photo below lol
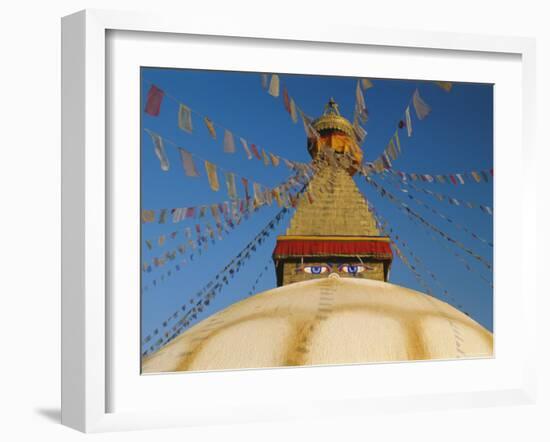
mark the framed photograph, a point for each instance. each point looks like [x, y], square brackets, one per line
[276, 223]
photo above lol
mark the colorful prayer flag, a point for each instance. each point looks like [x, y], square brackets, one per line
[360, 105]
[212, 175]
[187, 163]
[445, 85]
[286, 100]
[293, 113]
[258, 198]
[228, 142]
[265, 157]
[245, 185]
[264, 80]
[147, 216]
[408, 121]
[184, 119]
[274, 159]
[255, 151]
[366, 83]
[230, 182]
[420, 106]
[397, 141]
[391, 150]
[154, 100]
[159, 150]
[245, 147]
[274, 86]
[210, 127]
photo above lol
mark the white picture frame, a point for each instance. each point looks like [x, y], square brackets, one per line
[86, 210]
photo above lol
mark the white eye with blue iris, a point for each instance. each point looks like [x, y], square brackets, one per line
[352, 269]
[316, 270]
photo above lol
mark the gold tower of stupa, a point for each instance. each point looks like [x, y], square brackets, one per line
[333, 303]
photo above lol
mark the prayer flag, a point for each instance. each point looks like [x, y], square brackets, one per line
[210, 127]
[366, 83]
[161, 240]
[255, 151]
[178, 215]
[265, 157]
[147, 216]
[293, 113]
[264, 80]
[274, 159]
[397, 141]
[420, 106]
[245, 147]
[445, 85]
[391, 150]
[215, 213]
[187, 163]
[231, 188]
[154, 100]
[258, 198]
[459, 178]
[228, 142]
[159, 150]
[408, 121]
[453, 179]
[476, 176]
[245, 185]
[162, 216]
[286, 100]
[184, 119]
[190, 212]
[212, 175]
[485, 176]
[274, 86]
[360, 133]
[277, 196]
[360, 105]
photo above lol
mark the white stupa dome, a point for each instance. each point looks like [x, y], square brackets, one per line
[325, 321]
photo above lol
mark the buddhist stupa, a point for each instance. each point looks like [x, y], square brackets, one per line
[333, 303]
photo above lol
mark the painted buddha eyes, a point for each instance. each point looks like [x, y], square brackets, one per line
[353, 269]
[316, 270]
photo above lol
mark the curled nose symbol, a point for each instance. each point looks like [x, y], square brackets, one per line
[334, 275]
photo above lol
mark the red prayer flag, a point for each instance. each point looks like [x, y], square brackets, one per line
[286, 100]
[255, 151]
[453, 179]
[154, 100]
[245, 185]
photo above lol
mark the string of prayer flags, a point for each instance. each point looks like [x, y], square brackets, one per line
[246, 149]
[184, 119]
[452, 178]
[159, 150]
[228, 142]
[445, 85]
[154, 101]
[210, 127]
[188, 163]
[207, 293]
[212, 175]
[274, 86]
[405, 208]
[408, 121]
[421, 108]
[231, 187]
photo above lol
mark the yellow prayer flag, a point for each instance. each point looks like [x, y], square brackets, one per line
[445, 85]
[210, 127]
[366, 83]
[212, 175]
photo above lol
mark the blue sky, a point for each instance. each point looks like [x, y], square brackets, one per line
[457, 136]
